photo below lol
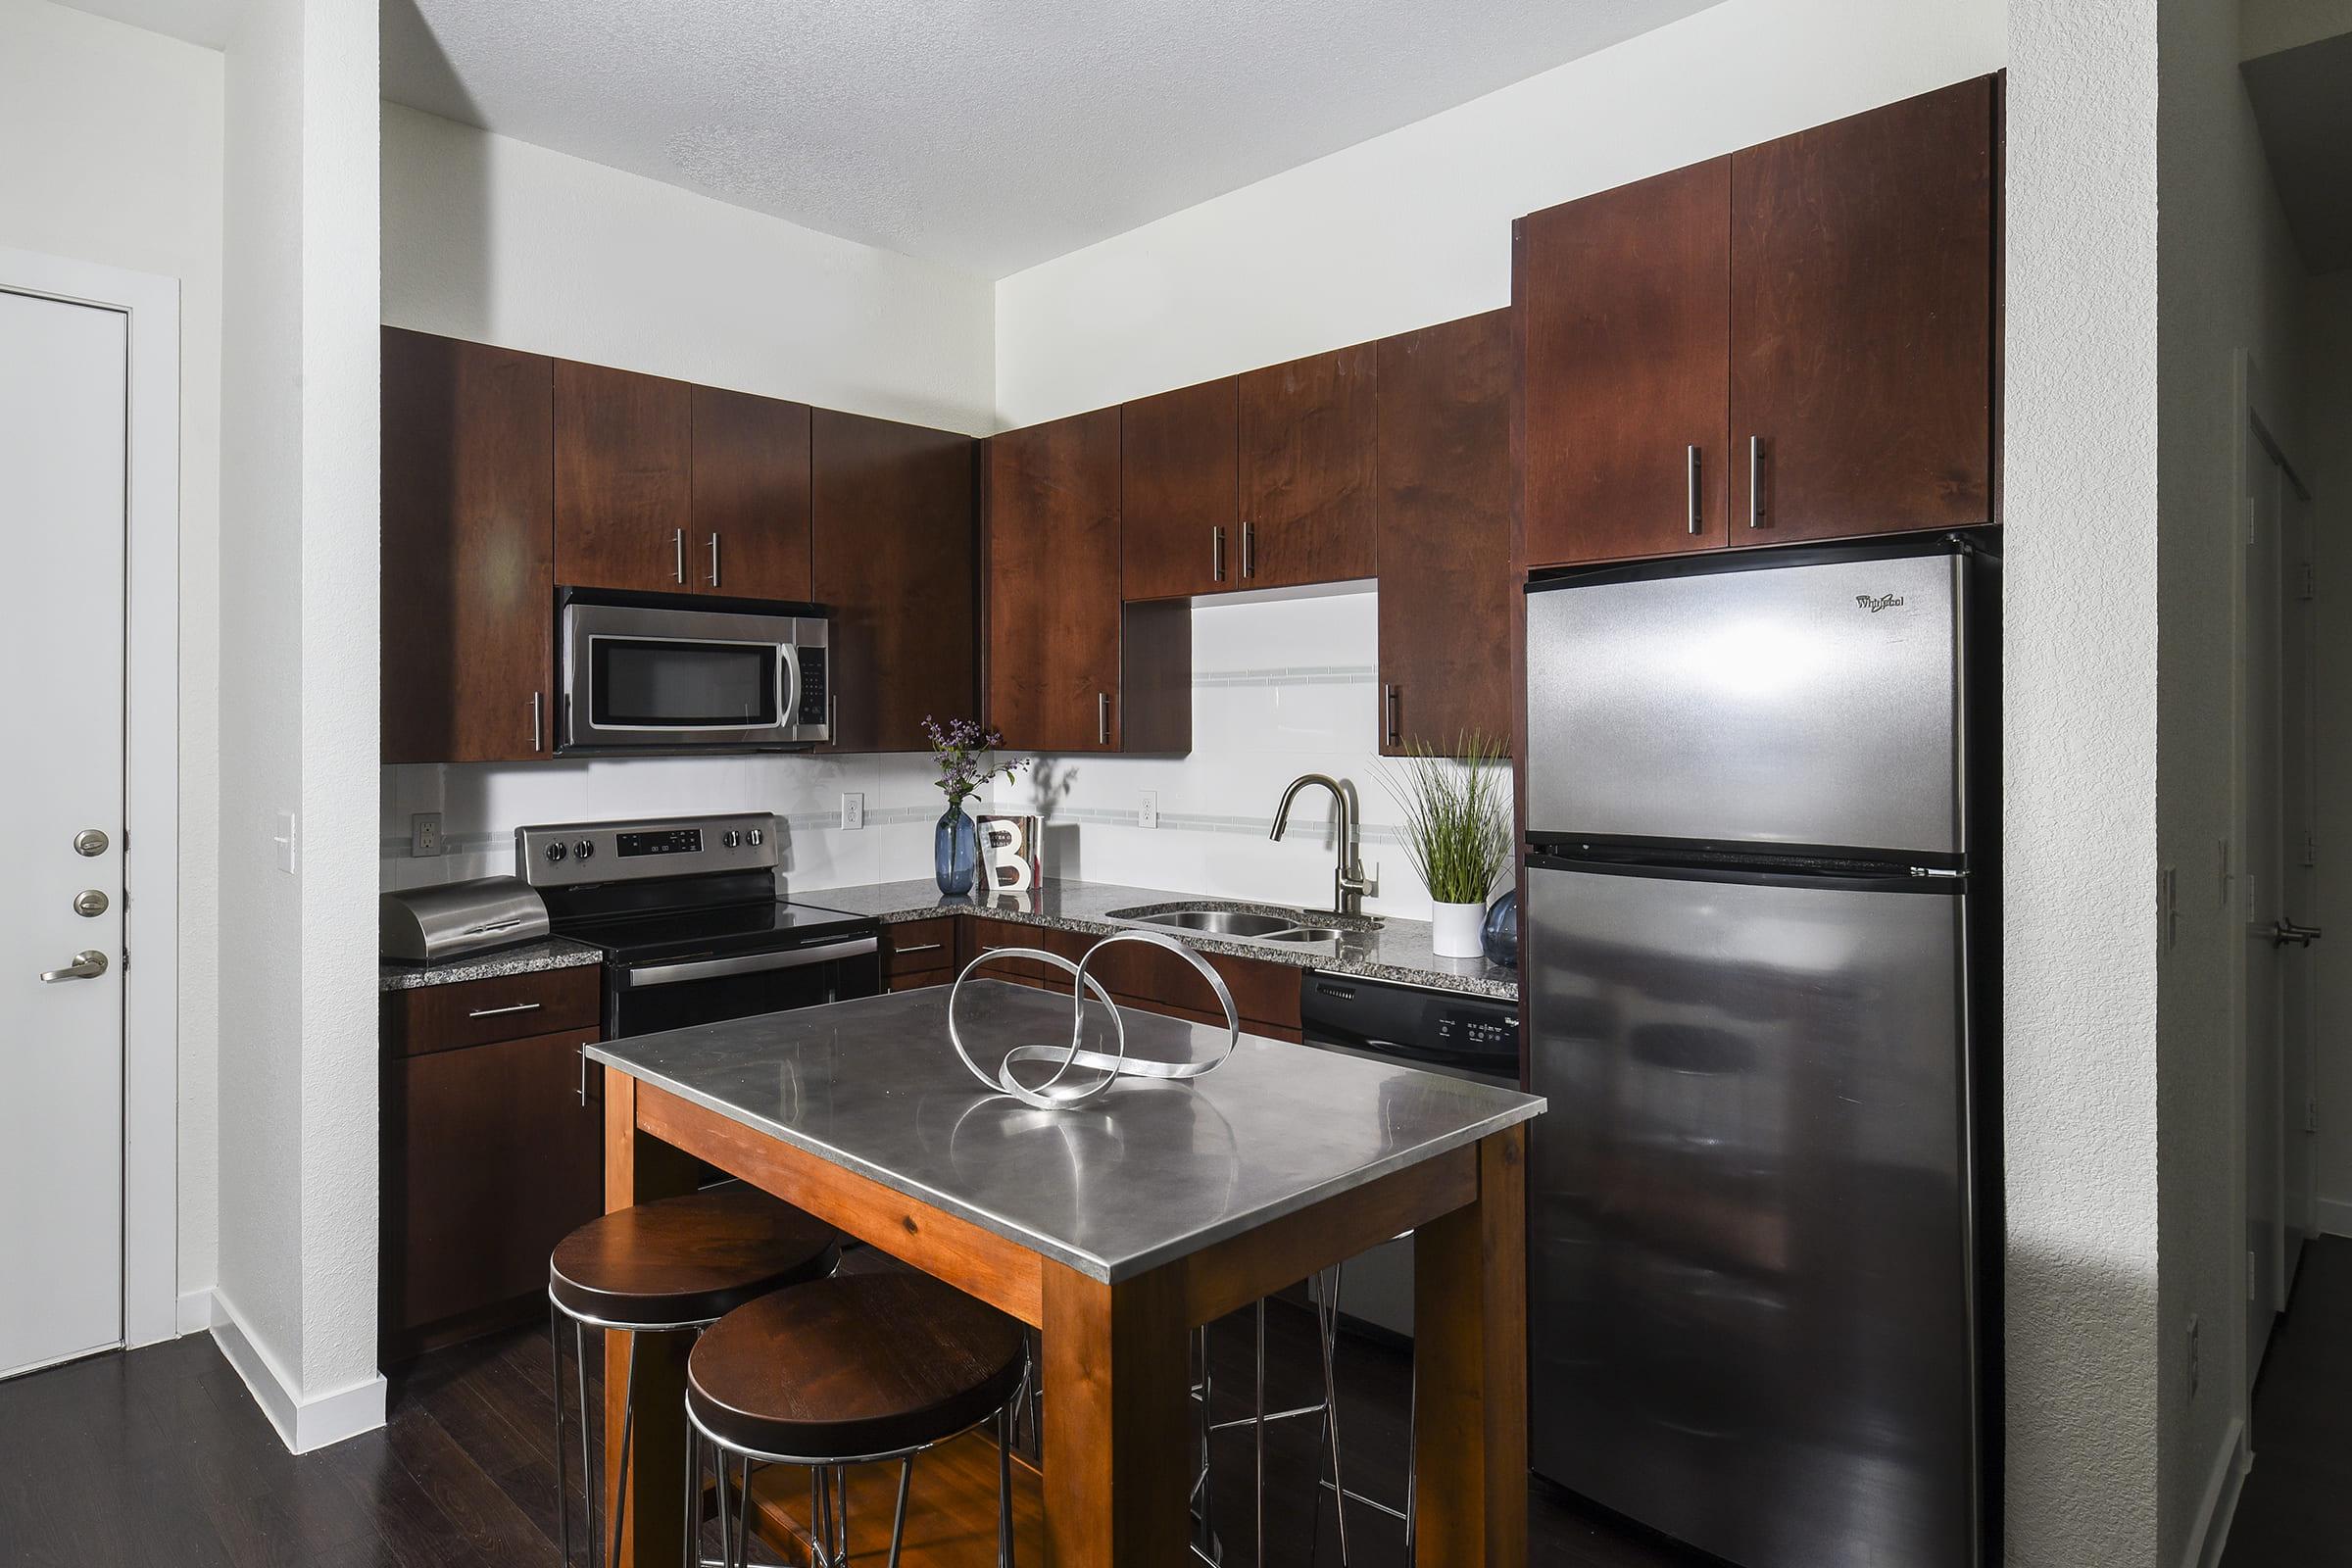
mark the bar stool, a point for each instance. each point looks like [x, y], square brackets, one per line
[675, 1265]
[855, 1369]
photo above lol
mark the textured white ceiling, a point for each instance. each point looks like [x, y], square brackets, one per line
[985, 134]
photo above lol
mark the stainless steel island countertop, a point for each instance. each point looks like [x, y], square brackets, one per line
[1147, 1174]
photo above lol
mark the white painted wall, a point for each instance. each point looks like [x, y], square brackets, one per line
[2229, 281]
[114, 138]
[2268, 25]
[1414, 227]
[2326, 457]
[499, 241]
[298, 1154]
[2079, 683]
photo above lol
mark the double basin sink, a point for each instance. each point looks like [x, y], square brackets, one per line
[1251, 922]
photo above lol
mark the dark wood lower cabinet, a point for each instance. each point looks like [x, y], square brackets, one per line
[1265, 996]
[490, 1152]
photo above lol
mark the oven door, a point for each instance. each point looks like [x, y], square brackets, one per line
[646, 998]
[644, 675]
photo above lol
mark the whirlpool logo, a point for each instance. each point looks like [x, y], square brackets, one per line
[1874, 603]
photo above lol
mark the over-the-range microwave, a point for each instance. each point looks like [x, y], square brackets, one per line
[689, 672]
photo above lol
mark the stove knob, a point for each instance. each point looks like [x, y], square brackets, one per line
[754, 838]
[730, 837]
[582, 849]
[555, 850]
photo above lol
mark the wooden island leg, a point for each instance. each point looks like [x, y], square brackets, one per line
[639, 1168]
[1470, 1354]
[1116, 1385]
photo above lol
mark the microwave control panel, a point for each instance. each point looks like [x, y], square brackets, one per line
[811, 704]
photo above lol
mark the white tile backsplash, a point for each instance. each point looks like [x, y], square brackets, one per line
[1280, 688]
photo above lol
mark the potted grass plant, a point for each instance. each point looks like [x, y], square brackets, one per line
[1458, 831]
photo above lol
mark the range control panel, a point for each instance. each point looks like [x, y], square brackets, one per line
[572, 854]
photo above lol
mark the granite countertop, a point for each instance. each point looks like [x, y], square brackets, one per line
[1151, 1172]
[554, 952]
[1398, 950]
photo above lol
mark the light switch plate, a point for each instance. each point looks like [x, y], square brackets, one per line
[853, 810]
[284, 841]
[424, 834]
[1148, 814]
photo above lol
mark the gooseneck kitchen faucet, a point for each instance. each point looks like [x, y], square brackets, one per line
[1348, 884]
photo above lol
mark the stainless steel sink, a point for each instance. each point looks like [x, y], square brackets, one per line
[1250, 923]
[1221, 923]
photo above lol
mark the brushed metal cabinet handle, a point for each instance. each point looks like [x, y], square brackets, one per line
[1103, 719]
[1216, 553]
[1249, 551]
[1755, 482]
[536, 729]
[677, 542]
[1388, 704]
[920, 946]
[499, 1012]
[1690, 486]
[583, 1075]
[714, 560]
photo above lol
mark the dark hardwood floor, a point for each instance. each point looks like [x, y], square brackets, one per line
[160, 1456]
[2296, 1509]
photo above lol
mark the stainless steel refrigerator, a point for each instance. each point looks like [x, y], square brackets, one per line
[1761, 988]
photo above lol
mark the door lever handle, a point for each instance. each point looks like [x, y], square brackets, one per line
[2283, 931]
[89, 964]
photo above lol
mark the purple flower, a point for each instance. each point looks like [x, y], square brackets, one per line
[965, 754]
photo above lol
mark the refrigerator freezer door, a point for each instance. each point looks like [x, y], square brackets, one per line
[1751, 1321]
[1814, 705]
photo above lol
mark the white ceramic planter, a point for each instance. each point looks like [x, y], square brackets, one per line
[1455, 930]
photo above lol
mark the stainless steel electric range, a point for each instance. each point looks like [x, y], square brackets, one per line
[691, 924]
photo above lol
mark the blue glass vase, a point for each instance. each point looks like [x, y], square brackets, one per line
[955, 851]
[1501, 934]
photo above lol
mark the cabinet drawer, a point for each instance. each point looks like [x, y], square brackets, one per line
[1070, 945]
[475, 1012]
[918, 945]
[1264, 994]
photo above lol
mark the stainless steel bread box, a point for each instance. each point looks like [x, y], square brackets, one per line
[423, 925]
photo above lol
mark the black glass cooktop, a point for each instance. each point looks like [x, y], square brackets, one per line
[769, 927]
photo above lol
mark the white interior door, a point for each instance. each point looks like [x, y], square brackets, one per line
[2262, 853]
[2298, 804]
[63, 449]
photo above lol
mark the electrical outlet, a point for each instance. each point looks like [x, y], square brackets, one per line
[853, 810]
[2195, 1366]
[285, 842]
[1148, 814]
[424, 834]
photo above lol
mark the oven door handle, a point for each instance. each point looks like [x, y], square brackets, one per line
[670, 975]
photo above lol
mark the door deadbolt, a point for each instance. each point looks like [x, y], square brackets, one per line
[89, 903]
[89, 841]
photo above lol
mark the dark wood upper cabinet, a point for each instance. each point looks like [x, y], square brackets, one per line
[1178, 490]
[749, 536]
[468, 551]
[1052, 584]
[625, 455]
[1309, 432]
[1625, 440]
[1446, 593]
[890, 555]
[1862, 266]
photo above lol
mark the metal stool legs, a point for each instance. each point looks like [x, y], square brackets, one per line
[828, 1497]
[592, 1494]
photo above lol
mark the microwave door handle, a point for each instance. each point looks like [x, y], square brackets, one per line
[788, 685]
[670, 975]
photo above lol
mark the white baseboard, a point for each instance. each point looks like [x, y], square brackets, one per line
[198, 1312]
[2219, 1506]
[2332, 1216]
[302, 1424]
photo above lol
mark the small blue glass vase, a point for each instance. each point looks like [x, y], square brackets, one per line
[1501, 935]
[955, 851]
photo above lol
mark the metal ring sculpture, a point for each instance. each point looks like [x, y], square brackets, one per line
[1106, 1069]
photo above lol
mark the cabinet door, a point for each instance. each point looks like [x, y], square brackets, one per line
[491, 1155]
[751, 495]
[1308, 434]
[1446, 532]
[1625, 296]
[1052, 584]
[1179, 493]
[1862, 323]
[624, 452]
[468, 551]
[891, 556]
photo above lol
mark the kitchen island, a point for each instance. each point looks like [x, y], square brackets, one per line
[1112, 1229]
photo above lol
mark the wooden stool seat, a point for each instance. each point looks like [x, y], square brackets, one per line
[687, 1260]
[852, 1366]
